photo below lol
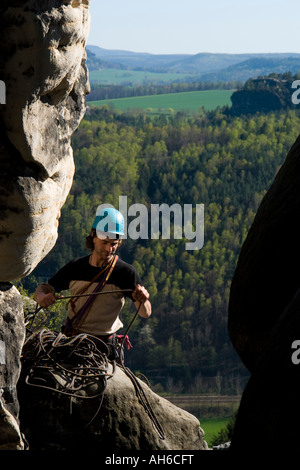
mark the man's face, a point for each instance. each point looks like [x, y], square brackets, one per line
[105, 249]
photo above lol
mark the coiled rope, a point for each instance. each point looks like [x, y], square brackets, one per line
[75, 357]
[68, 366]
[47, 350]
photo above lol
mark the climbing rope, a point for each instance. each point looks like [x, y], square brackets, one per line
[78, 360]
[144, 401]
[139, 389]
[68, 366]
[86, 364]
[30, 317]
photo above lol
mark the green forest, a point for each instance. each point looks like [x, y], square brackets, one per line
[226, 163]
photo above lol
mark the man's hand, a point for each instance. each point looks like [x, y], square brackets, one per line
[44, 295]
[140, 294]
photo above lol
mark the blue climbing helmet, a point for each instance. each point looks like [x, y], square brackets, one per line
[108, 223]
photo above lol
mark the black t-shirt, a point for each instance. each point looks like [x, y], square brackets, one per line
[103, 317]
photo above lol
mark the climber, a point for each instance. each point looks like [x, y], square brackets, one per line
[102, 270]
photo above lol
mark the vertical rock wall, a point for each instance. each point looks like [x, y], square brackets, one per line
[267, 275]
[264, 321]
[42, 63]
[12, 333]
[43, 67]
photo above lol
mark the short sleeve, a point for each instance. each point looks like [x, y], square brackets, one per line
[132, 279]
[60, 281]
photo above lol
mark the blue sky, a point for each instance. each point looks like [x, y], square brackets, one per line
[192, 26]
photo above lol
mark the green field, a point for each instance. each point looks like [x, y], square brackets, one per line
[167, 103]
[133, 77]
[211, 427]
[214, 412]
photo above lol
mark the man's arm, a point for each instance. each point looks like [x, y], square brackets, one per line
[141, 296]
[44, 295]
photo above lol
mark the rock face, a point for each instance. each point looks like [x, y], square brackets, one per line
[43, 67]
[126, 414]
[132, 428]
[267, 275]
[269, 411]
[252, 101]
[264, 321]
[262, 95]
[12, 333]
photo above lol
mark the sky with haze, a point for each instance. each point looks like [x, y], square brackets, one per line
[193, 26]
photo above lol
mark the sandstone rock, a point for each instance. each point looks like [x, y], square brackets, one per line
[43, 67]
[12, 334]
[267, 275]
[269, 413]
[10, 436]
[132, 428]
[129, 416]
[264, 318]
[42, 64]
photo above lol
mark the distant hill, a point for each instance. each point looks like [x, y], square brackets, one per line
[136, 60]
[203, 66]
[255, 67]
[95, 63]
[206, 62]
